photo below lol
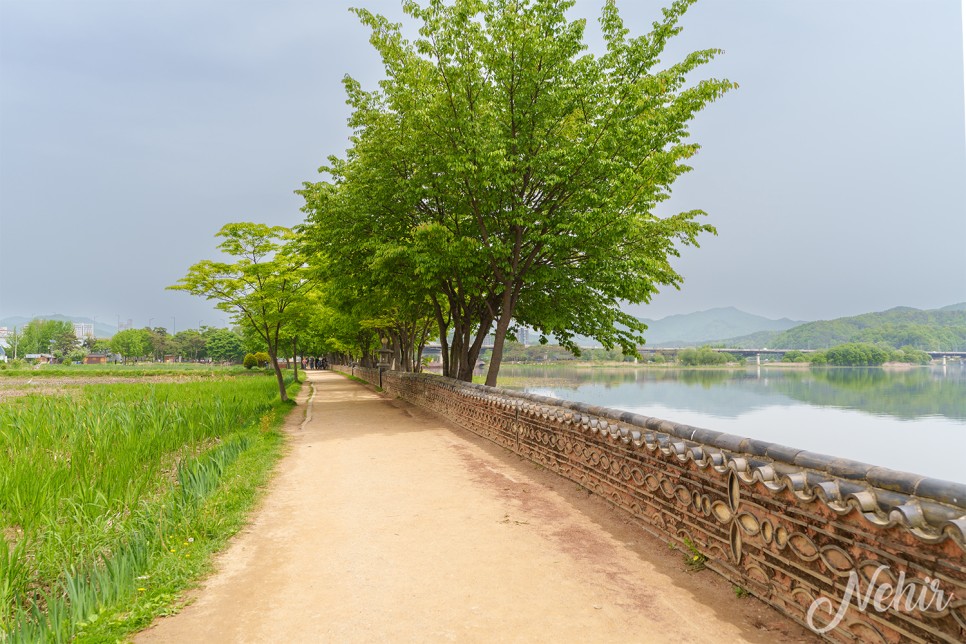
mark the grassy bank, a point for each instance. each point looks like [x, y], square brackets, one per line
[107, 370]
[113, 499]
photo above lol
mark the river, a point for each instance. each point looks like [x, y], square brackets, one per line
[912, 420]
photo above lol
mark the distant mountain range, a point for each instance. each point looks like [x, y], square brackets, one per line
[930, 330]
[709, 326]
[938, 329]
[100, 330]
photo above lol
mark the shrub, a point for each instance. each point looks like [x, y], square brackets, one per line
[911, 355]
[857, 354]
[818, 357]
[704, 356]
[250, 361]
[262, 359]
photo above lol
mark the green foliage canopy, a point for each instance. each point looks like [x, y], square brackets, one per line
[936, 330]
[46, 336]
[132, 343]
[223, 345]
[857, 354]
[189, 344]
[261, 288]
[704, 356]
[510, 177]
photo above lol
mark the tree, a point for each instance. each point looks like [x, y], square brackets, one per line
[260, 287]
[912, 356]
[224, 345]
[46, 336]
[512, 177]
[131, 343]
[703, 356]
[159, 341]
[65, 340]
[14, 342]
[857, 354]
[189, 344]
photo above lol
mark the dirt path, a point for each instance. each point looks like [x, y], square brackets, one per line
[386, 523]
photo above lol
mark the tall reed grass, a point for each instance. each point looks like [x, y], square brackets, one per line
[95, 487]
[187, 369]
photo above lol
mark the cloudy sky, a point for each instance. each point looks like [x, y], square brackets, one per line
[132, 130]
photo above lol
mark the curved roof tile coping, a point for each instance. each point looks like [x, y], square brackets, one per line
[789, 462]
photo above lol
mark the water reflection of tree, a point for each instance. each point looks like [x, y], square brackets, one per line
[908, 394]
[901, 394]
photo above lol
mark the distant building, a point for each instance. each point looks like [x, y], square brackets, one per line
[95, 358]
[39, 358]
[83, 330]
[4, 332]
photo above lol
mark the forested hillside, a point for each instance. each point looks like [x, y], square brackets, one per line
[935, 330]
[705, 326]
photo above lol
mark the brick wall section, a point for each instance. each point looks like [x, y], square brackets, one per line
[787, 525]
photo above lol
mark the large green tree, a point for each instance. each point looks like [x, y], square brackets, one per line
[511, 177]
[132, 343]
[224, 345]
[46, 336]
[261, 287]
[160, 342]
[189, 344]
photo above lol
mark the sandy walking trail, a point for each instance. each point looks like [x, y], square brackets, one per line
[387, 523]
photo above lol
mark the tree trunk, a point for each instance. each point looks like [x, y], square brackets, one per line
[497, 356]
[456, 349]
[471, 352]
[502, 327]
[443, 339]
[282, 394]
[295, 362]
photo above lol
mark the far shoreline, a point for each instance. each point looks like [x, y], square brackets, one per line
[730, 366]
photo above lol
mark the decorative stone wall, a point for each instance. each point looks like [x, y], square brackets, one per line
[369, 374]
[790, 526]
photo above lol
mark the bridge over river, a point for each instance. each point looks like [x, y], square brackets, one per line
[433, 351]
[750, 353]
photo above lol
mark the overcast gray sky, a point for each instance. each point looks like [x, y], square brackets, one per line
[131, 131]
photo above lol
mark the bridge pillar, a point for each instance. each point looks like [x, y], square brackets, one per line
[758, 359]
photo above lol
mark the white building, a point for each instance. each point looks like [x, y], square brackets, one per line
[83, 330]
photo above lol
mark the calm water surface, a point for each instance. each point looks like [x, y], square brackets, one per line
[912, 420]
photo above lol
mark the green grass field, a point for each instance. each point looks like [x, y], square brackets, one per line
[113, 498]
[187, 369]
